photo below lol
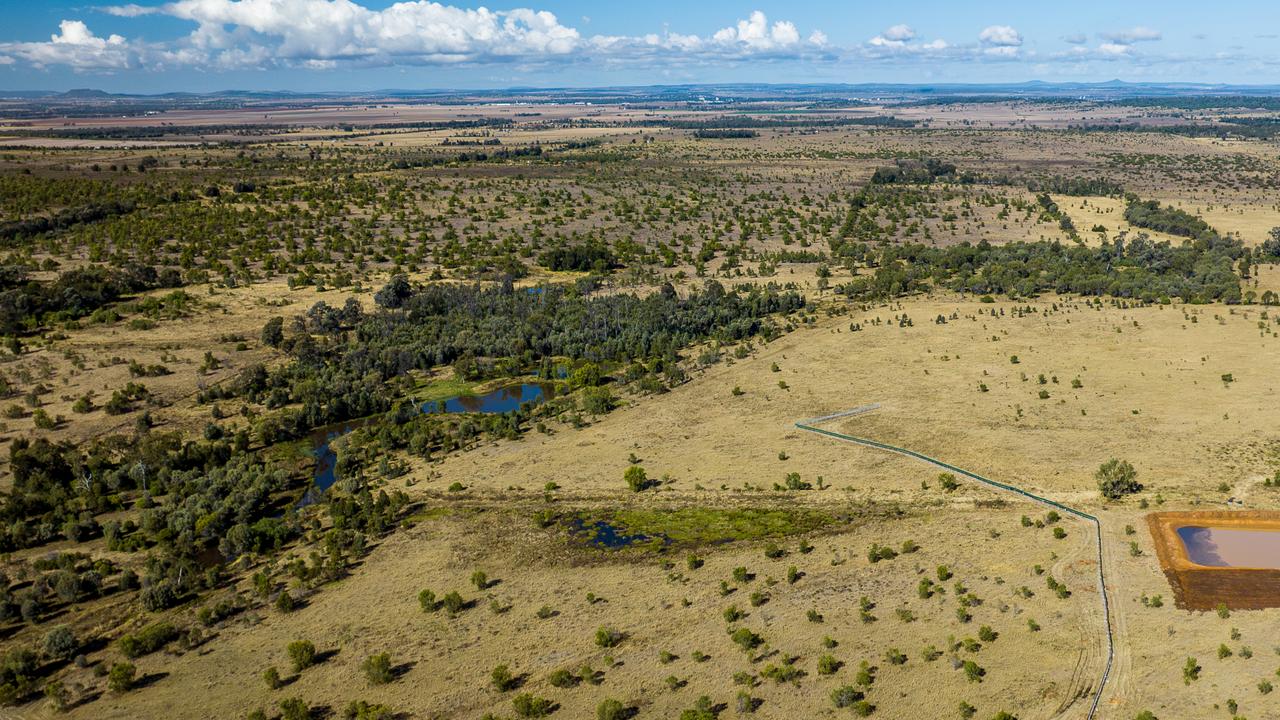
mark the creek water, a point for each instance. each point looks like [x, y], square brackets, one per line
[502, 400]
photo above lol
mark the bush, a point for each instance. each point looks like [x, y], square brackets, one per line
[60, 643]
[531, 706]
[1117, 478]
[271, 677]
[783, 672]
[303, 654]
[427, 600]
[502, 679]
[637, 479]
[843, 697]
[453, 603]
[377, 668]
[159, 596]
[361, 710]
[121, 677]
[703, 709]
[294, 709]
[607, 637]
[147, 640]
[610, 709]
[745, 639]
[562, 678]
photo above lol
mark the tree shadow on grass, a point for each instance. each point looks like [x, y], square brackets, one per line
[149, 679]
[400, 670]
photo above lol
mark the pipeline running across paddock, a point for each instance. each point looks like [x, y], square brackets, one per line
[810, 426]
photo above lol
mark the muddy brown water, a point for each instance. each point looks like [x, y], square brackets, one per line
[1231, 547]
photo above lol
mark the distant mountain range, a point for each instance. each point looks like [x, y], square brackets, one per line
[88, 102]
[737, 91]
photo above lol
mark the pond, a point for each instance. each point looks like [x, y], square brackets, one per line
[502, 400]
[1231, 547]
[604, 534]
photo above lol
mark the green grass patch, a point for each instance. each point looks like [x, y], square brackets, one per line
[705, 526]
[434, 390]
[289, 452]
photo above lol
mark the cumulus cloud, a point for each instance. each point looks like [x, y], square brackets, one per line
[755, 33]
[1076, 38]
[897, 40]
[1131, 36]
[309, 30]
[322, 34]
[130, 10]
[1000, 36]
[899, 32]
[75, 46]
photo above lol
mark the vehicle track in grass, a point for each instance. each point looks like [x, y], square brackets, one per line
[810, 425]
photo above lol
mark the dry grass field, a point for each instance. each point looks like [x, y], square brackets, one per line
[754, 564]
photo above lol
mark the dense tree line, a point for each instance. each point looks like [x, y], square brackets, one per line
[344, 358]
[751, 121]
[1260, 128]
[1078, 186]
[910, 170]
[725, 134]
[1152, 215]
[26, 303]
[584, 257]
[1199, 271]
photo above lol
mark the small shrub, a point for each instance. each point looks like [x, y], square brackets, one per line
[453, 603]
[531, 706]
[846, 696]
[377, 669]
[121, 677]
[361, 710]
[502, 679]
[607, 637]
[294, 709]
[610, 709]
[302, 653]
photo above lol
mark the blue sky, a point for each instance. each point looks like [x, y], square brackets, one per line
[204, 45]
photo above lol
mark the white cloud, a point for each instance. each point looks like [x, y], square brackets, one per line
[74, 46]
[1110, 48]
[900, 33]
[755, 33]
[323, 34]
[130, 10]
[1076, 38]
[303, 30]
[1000, 36]
[1131, 36]
[898, 39]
